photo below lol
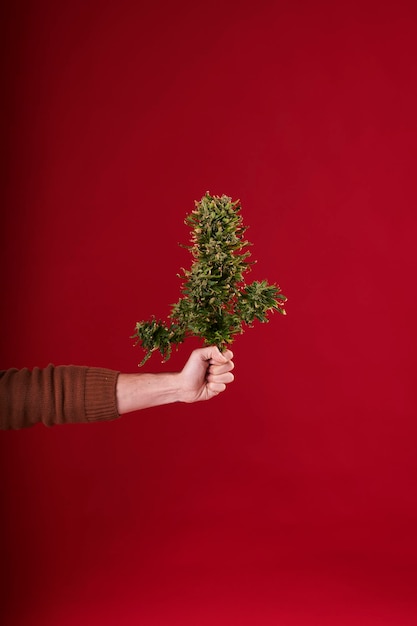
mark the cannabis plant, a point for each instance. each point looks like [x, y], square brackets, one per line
[216, 302]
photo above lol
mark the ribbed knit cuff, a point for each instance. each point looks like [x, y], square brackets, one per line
[100, 394]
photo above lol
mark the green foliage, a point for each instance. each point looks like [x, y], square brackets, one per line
[216, 302]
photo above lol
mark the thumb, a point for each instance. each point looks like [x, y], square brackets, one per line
[213, 354]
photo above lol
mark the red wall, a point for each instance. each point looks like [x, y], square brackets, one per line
[291, 499]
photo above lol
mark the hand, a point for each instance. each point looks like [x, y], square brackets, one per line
[206, 374]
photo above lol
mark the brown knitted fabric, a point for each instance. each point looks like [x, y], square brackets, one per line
[57, 395]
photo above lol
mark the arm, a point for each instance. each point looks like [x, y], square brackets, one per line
[71, 394]
[56, 395]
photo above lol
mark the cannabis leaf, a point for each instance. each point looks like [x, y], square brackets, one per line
[216, 302]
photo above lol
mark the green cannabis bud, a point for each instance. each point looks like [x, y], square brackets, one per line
[216, 302]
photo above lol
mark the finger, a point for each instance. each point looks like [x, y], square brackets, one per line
[228, 355]
[216, 388]
[218, 357]
[221, 369]
[225, 378]
[210, 354]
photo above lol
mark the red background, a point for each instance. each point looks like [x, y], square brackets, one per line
[291, 499]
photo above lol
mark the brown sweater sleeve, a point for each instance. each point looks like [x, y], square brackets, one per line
[57, 395]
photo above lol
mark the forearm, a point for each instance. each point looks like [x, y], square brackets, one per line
[141, 391]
